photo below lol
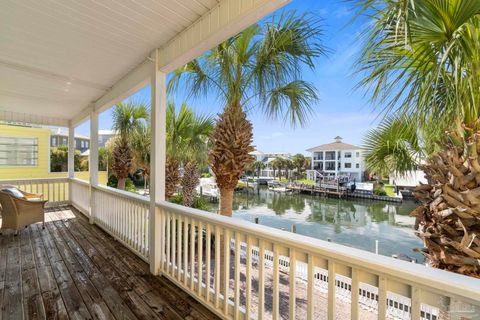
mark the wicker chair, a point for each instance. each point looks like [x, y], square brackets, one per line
[19, 212]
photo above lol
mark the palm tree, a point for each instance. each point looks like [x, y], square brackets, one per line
[422, 61]
[277, 165]
[141, 142]
[298, 162]
[127, 118]
[187, 143]
[288, 166]
[393, 146]
[258, 166]
[259, 68]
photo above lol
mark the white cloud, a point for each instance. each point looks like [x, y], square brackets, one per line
[277, 134]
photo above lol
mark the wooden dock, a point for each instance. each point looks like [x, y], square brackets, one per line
[323, 189]
[331, 190]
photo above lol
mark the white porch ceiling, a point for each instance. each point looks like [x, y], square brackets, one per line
[57, 57]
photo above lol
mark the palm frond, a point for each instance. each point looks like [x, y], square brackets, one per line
[394, 146]
[292, 101]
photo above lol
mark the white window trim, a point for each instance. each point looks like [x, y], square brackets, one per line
[30, 166]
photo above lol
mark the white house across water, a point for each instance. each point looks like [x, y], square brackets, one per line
[337, 159]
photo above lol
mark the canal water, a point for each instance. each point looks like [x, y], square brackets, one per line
[352, 222]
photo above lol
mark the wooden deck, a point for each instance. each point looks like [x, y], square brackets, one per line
[73, 270]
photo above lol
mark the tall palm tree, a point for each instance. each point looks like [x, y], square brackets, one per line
[260, 68]
[187, 143]
[422, 60]
[127, 118]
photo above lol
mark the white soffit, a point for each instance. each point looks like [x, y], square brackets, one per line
[57, 57]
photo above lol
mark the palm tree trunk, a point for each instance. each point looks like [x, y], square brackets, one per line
[121, 183]
[190, 181]
[447, 220]
[172, 177]
[232, 142]
[226, 202]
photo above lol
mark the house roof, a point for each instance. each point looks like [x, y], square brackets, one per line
[106, 132]
[337, 145]
[61, 133]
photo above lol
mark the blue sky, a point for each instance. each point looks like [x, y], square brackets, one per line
[340, 111]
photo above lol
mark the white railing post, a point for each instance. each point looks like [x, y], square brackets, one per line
[71, 159]
[93, 161]
[157, 162]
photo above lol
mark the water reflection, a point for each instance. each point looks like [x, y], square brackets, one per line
[356, 223]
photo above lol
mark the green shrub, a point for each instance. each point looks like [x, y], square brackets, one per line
[198, 202]
[379, 192]
[112, 181]
[130, 186]
[177, 198]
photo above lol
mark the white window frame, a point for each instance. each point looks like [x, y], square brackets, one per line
[35, 152]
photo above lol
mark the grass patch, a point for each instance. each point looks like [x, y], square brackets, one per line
[389, 190]
[300, 181]
[306, 181]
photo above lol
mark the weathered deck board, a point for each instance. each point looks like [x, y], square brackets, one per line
[73, 270]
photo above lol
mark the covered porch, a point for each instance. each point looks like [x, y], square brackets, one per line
[73, 270]
[107, 252]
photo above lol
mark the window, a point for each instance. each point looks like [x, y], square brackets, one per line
[348, 165]
[54, 141]
[348, 154]
[86, 144]
[82, 144]
[330, 165]
[65, 141]
[18, 152]
[357, 165]
[357, 154]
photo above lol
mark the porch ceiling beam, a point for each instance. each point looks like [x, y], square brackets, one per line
[19, 117]
[224, 20]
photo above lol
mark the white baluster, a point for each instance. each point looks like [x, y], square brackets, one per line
[261, 280]
[331, 290]
[248, 278]
[208, 263]
[292, 285]
[354, 292]
[200, 257]
[310, 286]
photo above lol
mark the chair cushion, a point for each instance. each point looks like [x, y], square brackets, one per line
[13, 192]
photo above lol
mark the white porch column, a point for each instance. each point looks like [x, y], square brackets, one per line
[157, 163]
[71, 155]
[93, 161]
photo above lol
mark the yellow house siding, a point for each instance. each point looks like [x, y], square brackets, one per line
[42, 169]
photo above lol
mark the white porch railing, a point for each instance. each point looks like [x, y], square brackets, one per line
[124, 215]
[288, 274]
[54, 190]
[300, 276]
[80, 195]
